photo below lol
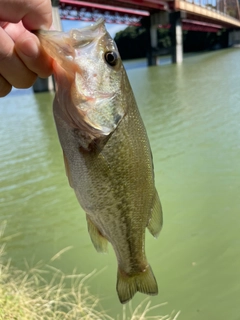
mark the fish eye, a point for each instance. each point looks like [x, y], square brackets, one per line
[111, 58]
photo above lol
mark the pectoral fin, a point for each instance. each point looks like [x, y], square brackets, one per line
[156, 219]
[99, 242]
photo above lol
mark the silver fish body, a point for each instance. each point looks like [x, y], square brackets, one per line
[106, 150]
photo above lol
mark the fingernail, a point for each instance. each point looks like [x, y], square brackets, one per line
[29, 47]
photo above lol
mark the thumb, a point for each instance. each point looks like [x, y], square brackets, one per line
[30, 51]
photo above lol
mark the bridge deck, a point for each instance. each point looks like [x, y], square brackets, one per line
[190, 10]
[206, 13]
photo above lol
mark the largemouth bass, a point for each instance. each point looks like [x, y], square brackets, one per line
[106, 150]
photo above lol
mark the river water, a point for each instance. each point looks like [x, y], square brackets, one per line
[192, 115]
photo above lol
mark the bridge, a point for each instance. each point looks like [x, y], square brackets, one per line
[225, 12]
[201, 15]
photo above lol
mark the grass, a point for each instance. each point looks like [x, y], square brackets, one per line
[27, 295]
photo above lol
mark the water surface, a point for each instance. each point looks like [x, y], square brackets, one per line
[192, 115]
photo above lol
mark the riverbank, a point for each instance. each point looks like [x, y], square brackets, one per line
[27, 295]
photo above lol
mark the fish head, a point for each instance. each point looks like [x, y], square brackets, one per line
[92, 86]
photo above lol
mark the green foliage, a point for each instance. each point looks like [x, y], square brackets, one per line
[200, 41]
[133, 41]
[164, 38]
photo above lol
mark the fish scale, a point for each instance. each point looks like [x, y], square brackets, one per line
[106, 150]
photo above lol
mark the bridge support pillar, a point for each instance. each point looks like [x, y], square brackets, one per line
[47, 84]
[233, 38]
[177, 39]
[151, 24]
[152, 54]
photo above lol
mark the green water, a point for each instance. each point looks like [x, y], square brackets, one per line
[192, 115]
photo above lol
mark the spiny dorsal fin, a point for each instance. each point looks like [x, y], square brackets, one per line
[144, 282]
[156, 219]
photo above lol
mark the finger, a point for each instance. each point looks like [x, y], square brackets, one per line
[33, 56]
[14, 30]
[5, 87]
[34, 14]
[11, 66]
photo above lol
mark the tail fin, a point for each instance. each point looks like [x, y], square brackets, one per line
[144, 282]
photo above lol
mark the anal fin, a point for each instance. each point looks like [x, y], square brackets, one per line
[143, 282]
[99, 241]
[156, 220]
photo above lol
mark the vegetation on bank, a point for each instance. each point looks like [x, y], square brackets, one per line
[27, 295]
[132, 41]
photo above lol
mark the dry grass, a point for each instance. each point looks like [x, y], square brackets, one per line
[26, 295]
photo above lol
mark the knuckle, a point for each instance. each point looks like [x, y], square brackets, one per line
[5, 53]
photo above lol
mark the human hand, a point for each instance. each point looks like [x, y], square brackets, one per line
[21, 57]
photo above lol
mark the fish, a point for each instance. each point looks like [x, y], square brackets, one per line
[106, 150]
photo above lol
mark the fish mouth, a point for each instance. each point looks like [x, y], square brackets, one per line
[94, 26]
[61, 46]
